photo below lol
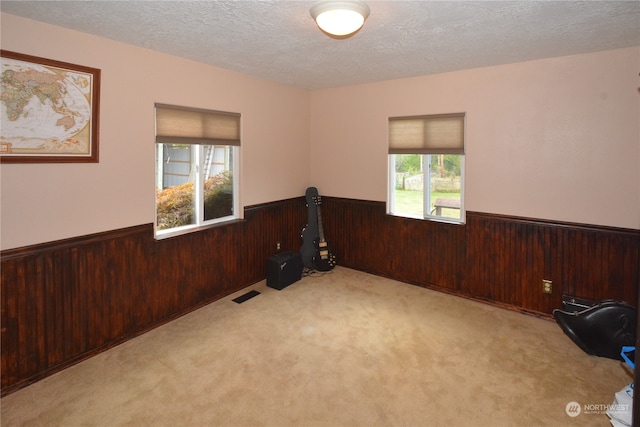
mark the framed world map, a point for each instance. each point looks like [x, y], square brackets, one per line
[49, 110]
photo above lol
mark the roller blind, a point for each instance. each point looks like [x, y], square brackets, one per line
[434, 134]
[182, 125]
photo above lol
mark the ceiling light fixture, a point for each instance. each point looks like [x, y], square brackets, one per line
[340, 18]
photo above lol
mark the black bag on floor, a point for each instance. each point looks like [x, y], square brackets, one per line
[601, 330]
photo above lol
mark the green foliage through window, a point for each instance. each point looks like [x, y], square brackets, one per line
[175, 205]
[408, 163]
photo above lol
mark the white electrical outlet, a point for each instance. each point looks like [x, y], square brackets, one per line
[547, 286]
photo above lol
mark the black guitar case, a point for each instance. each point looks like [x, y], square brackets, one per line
[601, 330]
[315, 251]
[310, 231]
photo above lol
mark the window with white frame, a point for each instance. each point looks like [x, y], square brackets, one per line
[197, 158]
[426, 167]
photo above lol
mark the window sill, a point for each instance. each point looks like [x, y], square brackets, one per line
[187, 229]
[445, 220]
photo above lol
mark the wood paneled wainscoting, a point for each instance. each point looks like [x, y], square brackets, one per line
[494, 258]
[67, 300]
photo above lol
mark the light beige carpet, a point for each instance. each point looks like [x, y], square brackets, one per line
[340, 349]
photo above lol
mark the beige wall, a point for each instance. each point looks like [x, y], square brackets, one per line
[553, 139]
[45, 202]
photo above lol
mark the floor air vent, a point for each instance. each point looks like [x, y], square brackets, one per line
[245, 297]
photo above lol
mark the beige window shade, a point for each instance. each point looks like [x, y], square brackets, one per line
[436, 134]
[180, 125]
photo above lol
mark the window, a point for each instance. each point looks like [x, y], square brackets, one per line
[196, 168]
[426, 167]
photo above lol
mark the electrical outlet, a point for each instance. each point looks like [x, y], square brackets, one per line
[277, 246]
[547, 286]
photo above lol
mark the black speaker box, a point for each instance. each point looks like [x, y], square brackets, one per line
[284, 269]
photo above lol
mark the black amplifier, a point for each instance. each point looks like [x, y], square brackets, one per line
[284, 269]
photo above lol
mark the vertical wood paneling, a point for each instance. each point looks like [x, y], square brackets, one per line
[53, 313]
[27, 317]
[364, 237]
[65, 301]
[479, 247]
[8, 317]
[492, 257]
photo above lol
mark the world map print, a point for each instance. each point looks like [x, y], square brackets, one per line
[45, 109]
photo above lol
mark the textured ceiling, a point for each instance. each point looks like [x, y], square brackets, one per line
[278, 40]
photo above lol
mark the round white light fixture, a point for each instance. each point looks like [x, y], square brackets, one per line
[340, 18]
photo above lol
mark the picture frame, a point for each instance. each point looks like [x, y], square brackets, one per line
[50, 110]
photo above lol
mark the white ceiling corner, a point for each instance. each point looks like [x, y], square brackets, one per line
[278, 40]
